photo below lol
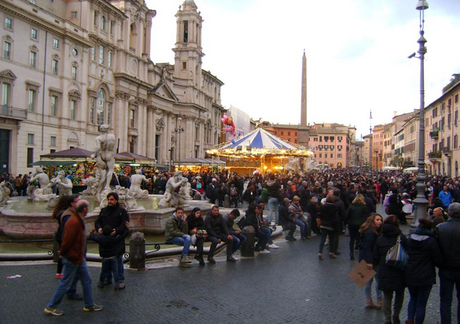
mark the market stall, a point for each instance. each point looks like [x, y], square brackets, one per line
[258, 150]
[199, 165]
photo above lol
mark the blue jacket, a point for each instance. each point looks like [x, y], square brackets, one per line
[446, 198]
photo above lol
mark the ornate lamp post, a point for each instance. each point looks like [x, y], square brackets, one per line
[178, 130]
[421, 203]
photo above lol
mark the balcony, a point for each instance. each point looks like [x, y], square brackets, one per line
[13, 112]
[435, 156]
[434, 134]
[447, 151]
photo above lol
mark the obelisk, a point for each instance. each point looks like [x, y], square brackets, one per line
[303, 127]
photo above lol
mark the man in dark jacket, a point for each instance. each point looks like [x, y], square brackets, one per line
[449, 274]
[176, 232]
[217, 232]
[73, 252]
[287, 219]
[116, 217]
[238, 237]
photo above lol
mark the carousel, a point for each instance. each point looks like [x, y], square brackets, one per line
[264, 152]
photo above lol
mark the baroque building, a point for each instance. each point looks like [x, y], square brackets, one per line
[69, 66]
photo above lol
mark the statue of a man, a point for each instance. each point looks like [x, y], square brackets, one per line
[43, 180]
[105, 157]
[136, 183]
[171, 198]
[64, 184]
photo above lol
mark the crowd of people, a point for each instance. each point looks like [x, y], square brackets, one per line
[327, 204]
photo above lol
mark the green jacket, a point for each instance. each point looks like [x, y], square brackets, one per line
[175, 228]
[356, 214]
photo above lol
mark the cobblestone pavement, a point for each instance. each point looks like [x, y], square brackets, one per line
[290, 285]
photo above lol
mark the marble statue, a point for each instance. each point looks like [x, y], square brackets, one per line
[185, 191]
[91, 186]
[43, 181]
[136, 182]
[171, 198]
[4, 193]
[63, 184]
[105, 158]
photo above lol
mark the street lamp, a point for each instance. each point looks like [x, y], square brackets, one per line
[421, 203]
[178, 130]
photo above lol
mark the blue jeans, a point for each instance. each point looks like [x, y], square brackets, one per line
[273, 205]
[417, 303]
[109, 266]
[184, 241]
[71, 271]
[106, 271]
[448, 279]
[303, 227]
[268, 234]
[368, 286]
[238, 241]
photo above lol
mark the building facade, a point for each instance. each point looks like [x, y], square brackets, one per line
[68, 67]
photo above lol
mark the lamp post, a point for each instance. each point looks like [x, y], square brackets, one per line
[421, 203]
[178, 130]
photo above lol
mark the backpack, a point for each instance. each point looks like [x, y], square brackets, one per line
[263, 195]
[241, 222]
[233, 192]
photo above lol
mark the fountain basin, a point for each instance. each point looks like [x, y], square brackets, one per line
[19, 224]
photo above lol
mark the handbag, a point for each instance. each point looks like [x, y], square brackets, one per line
[396, 256]
[201, 233]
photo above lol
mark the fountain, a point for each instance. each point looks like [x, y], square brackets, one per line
[31, 218]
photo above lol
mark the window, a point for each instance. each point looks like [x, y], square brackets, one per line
[8, 23]
[131, 118]
[30, 139]
[93, 54]
[109, 58]
[5, 94]
[74, 72]
[103, 22]
[53, 141]
[31, 95]
[54, 66]
[55, 43]
[30, 157]
[289, 133]
[184, 65]
[7, 50]
[101, 54]
[456, 98]
[100, 107]
[74, 14]
[455, 141]
[282, 133]
[92, 108]
[33, 59]
[54, 103]
[339, 155]
[33, 33]
[315, 139]
[434, 113]
[112, 23]
[73, 109]
[95, 18]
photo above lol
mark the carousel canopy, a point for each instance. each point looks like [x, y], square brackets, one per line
[259, 142]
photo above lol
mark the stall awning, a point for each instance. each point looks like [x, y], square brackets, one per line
[49, 163]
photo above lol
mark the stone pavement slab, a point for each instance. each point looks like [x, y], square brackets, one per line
[290, 285]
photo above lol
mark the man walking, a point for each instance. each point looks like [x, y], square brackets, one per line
[117, 218]
[449, 273]
[73, 252]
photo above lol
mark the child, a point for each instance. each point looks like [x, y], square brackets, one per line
[108, 250]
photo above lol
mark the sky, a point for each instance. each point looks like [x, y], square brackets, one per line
[357, 55]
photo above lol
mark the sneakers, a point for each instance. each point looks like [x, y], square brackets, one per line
[59, 276]
[94, 308]
[120, 286]
[265, 252]
[186, 259]
[273, 246]
[54, 311]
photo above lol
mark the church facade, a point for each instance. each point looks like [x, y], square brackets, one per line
[68, 67]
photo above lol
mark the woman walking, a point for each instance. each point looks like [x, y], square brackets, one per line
[356, 215]
[391, 279]
[420, 274]
[369, 232]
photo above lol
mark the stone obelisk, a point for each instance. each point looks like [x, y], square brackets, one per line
[303, 128]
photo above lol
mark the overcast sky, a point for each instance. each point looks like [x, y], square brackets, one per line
[356, 55]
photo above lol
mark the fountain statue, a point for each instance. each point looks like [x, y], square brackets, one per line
[171, 198]
[4, 193]
[63, 184]
[136, 182]
[91, 186]
[44, 192]
[105, 158]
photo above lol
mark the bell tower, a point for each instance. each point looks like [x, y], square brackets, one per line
[188, 50]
